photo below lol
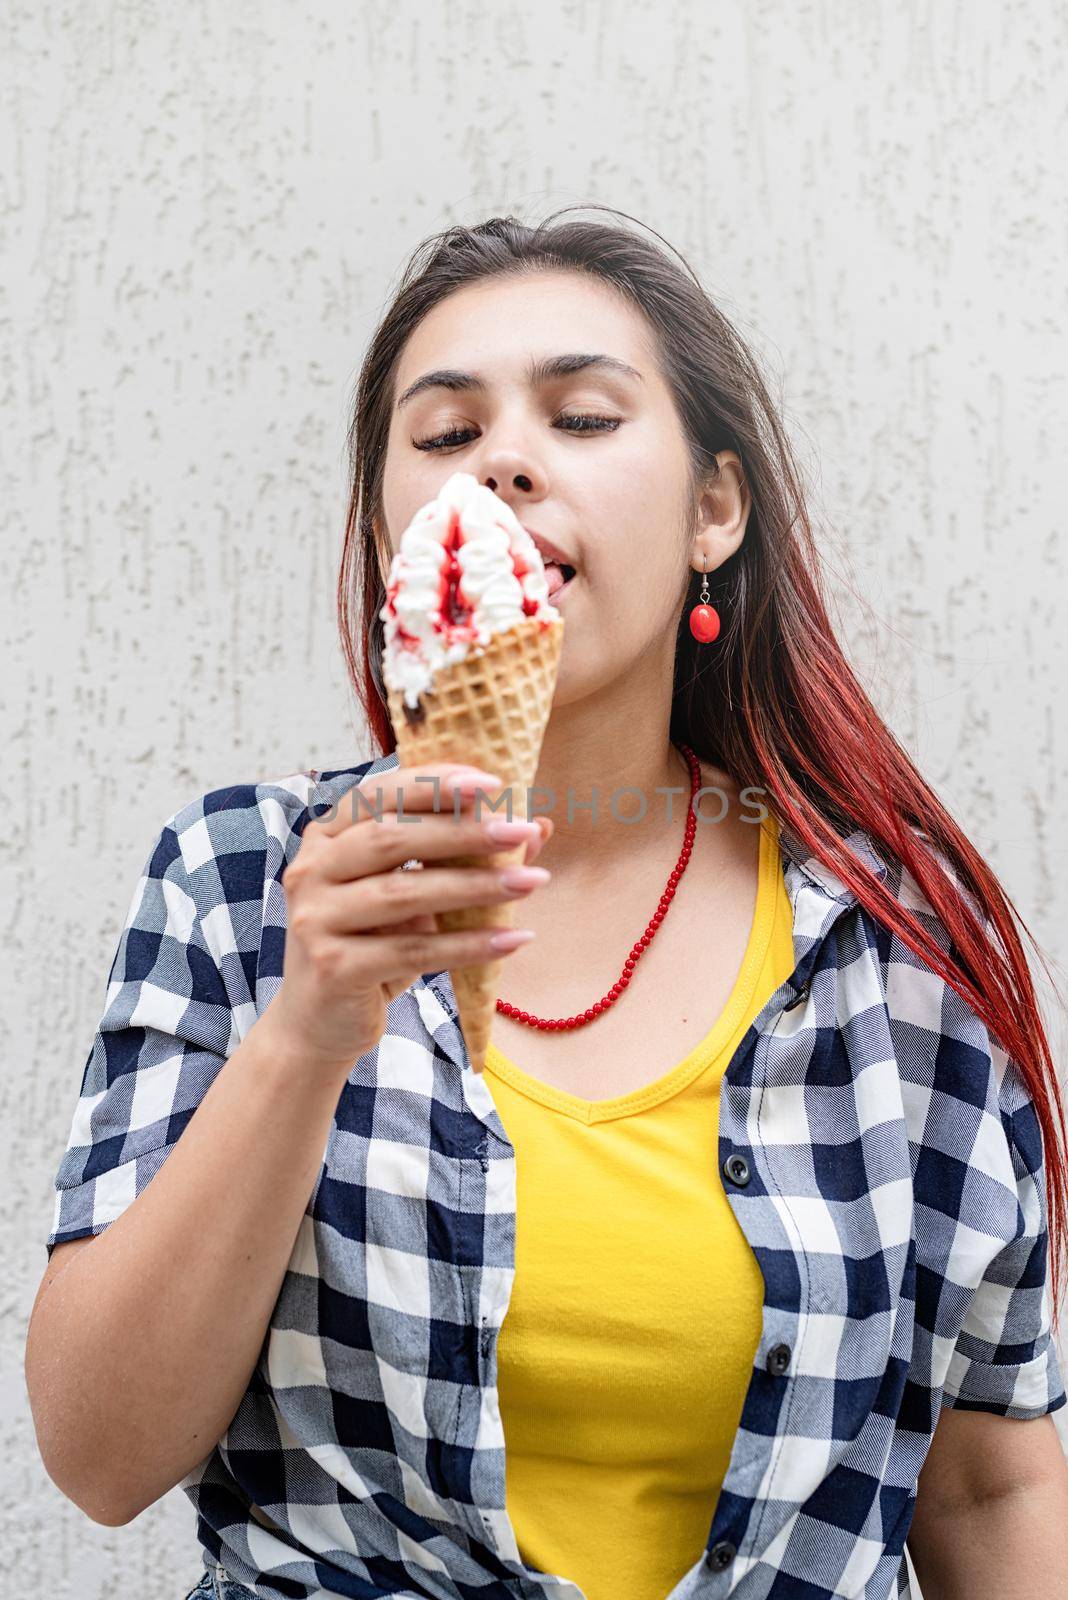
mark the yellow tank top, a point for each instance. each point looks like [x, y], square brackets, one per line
[637, 1305]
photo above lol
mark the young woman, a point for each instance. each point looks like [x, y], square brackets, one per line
[730, 1270]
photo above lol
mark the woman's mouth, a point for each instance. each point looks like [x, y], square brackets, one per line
[557, 575]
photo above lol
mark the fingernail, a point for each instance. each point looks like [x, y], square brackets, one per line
[511, 938]
[524, 877]
[502, 832]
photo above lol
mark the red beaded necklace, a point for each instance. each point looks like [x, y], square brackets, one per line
[580, 1019]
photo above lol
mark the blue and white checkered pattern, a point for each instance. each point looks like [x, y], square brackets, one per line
[881, 1157]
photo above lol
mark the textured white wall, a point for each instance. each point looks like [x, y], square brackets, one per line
[202, 209]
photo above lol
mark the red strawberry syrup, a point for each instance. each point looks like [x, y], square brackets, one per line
[457, 613]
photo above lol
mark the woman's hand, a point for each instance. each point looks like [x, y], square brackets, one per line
[359, 931]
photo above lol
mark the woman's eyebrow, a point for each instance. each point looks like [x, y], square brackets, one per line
[539, 372]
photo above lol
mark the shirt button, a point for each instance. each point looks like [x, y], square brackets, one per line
[737, 1170]
[802, 994]
[721, 1555]
[778, 1359]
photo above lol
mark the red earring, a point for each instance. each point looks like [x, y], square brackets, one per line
[704, 619]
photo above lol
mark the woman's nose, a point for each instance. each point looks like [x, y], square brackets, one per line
[520, 480]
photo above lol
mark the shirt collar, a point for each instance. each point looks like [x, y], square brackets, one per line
[825, 879]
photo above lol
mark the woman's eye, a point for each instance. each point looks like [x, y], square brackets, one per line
[582, 421]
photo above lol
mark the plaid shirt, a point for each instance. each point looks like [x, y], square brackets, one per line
[881, 1156]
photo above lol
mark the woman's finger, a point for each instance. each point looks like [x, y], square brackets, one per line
[424, 923]
[545, 824]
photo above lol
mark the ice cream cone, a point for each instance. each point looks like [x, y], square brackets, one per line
[488, 710]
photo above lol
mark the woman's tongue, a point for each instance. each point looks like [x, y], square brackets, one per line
[554, 577]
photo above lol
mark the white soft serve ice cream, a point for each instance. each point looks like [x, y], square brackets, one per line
[466, 568]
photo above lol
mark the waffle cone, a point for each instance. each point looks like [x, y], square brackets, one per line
[489, 710]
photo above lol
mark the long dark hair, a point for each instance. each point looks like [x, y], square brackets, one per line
[774, 702]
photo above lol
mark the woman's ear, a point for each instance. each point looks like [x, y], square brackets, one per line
[723, 512]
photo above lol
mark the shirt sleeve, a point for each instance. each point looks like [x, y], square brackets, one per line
[165, 1032]
[1005, 1359]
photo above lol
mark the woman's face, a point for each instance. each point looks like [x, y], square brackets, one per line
[611, 493]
